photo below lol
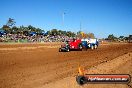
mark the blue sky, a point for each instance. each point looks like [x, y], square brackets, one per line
[101, 17]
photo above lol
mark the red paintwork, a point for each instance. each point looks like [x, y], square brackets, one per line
[75, 44]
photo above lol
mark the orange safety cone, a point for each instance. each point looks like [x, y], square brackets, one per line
[81, 71]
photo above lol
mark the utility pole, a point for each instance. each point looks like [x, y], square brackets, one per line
[80, 25]
[63, 16]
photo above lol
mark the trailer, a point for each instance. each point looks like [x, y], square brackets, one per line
[130, 39]
[90, 43]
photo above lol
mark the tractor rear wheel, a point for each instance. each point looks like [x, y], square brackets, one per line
[60, 50]
[68, 50]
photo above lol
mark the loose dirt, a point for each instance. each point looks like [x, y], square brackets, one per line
[42, 66]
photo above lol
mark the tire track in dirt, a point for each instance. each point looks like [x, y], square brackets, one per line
[42, 66]
[122, 62]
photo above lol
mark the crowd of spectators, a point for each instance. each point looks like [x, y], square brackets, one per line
[20, 38]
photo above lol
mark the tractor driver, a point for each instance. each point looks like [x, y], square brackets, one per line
[67, 43]
[74, 39]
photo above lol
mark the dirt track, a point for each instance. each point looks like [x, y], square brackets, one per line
[35, 66]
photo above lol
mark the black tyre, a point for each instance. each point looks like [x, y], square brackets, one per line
[95, 46]
[80, 47]
[92, 47]
[67, 49]
[81, 80]
[60, 50]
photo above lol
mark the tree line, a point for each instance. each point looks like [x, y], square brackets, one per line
[10, 27]
[113, 38]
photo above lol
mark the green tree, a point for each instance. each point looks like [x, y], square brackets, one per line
[121, 38]
[60, 32]
[90, 35]
[79, 34]
[39, 31]
[5, 27]
[14, 30]
[10, 22]
[63, 32]
[31, 28]
[8, 26]
[70, 34]
[111, 37]
[54, 32]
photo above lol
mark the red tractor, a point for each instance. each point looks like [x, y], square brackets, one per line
[74, 44]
